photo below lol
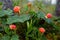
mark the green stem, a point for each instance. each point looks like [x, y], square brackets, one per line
[27, 31]
[41, 37]
[27, 36]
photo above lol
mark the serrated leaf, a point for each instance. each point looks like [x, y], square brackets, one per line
[22, 18]
[8, 12]
[5, 37]
[49, 21]
[6, 28]
[15, 37]
[5, 12]
[41, 15]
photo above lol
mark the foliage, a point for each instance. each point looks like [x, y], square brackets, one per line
[30, 21]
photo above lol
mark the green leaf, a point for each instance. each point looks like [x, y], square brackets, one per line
[1, 29]
[43, 38]
[15, 37]
[41, 15]
[1, 35]
[26, 8]
[5, 37]
[22, 18]
[49, 21]
[5, 12]
[6, 28]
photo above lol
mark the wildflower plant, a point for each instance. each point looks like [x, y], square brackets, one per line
[26, 23]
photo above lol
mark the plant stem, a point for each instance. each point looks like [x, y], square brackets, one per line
[41, 37]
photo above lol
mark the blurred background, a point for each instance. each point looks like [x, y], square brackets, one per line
[48, 5]
[51, 4]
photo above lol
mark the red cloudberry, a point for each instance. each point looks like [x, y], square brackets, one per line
[12, 27]
[42, 30]
[49, 15]
[16, 9]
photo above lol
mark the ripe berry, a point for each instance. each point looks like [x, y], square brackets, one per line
[16, 9]
[49, 15]
[29, 4]
[42, 30]
[12, 27]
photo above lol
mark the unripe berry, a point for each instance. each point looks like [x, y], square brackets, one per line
[29, 4]
[12, 27]
[42, 30]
